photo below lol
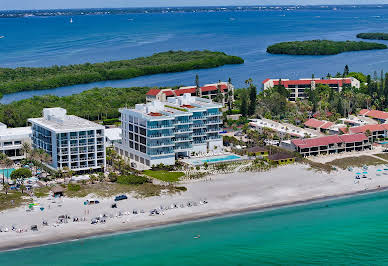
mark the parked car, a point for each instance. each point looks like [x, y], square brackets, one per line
[121, 197]
[91, 202]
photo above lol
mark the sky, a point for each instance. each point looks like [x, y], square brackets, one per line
[59, 4]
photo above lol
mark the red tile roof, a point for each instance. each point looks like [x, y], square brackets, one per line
[169, 93]
[353, 138]
[265, 81]
[363, 129]
[327, 125]
[153, 92]
[314, 123]
[324, 141]
[374, 114]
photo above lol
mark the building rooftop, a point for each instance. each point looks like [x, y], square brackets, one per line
[113, 134]
[374, 114]
[175, 106]
[287, 82]
[190, 89]
[14, 133]
[326, 140]
[56, 119]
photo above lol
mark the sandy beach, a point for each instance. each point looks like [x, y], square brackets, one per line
[225, 194]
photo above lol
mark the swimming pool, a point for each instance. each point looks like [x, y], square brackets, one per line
[6, 173]
[384, 142]
[216, 159]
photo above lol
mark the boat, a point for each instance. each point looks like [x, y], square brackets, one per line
[71, 20]
[2, 36]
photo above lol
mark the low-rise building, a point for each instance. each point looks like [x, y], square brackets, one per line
[112, 136]
[319, 125]
[12, 139]
[209, 91]
[281, 158]
[282, 130]
[71, 141]
[159, 132]
[331, 144]
[379, 116]
[375, 132]
[297, 87]
[257, 151]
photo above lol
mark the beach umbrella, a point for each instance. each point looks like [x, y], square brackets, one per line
[365, 173]
[358, 173]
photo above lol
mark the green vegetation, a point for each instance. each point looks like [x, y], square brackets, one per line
[73, 187]
[344, 163]
[21, 173]
[41, 192]
[12, 200]
[94, 104]
[373, 36]
[39, 78]
[110, 190]
[176, 108]
[164, 175]
[132, 180]
[383, 156]
[321, 47]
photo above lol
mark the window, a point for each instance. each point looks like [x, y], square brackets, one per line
[8, 143]
[17, 142]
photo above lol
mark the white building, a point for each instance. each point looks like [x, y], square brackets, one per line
[297, 87]
[12, 139]
[159, 132]
[282, 129]
[71, 141]
[209, 91]
[112, 136]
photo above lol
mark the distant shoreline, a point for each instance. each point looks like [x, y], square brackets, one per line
[175, 9]
[128, 228]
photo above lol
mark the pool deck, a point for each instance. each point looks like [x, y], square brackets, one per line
[199, 160]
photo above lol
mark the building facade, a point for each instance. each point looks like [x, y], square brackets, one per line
[71, 141]
[298, 88]
[12, 139]
[209, 91]
[159, 132]
[331, 144]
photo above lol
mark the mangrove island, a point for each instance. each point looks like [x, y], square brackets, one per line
[321, 47]
[373, 36]
[39, 78]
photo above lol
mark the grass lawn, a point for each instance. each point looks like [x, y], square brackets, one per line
[41, 192]
[114, 189]
[355, 162]
[382, 155]
[164, 175]
[16, 197]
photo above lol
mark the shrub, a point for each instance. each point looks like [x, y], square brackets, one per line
[73, 187]
[132, 180]
[181, 188]
[112, 177]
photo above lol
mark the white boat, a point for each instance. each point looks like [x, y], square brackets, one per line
[71, 20]
[2, 36]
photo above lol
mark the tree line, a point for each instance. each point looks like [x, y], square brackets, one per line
[321, 47]
[39, 78]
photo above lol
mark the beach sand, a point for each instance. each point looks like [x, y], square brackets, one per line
[225, 193]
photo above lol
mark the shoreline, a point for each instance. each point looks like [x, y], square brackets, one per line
[131, 228]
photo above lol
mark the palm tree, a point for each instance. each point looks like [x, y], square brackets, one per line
[22, 187]
[6, 188]
[2, 158]
[7, 163]
[26, 149]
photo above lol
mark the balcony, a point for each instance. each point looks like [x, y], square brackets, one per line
[183, 148]
[160, 136]
[198, 117]
[199, 125]
[162, 144]
[183, 122]
[214, 114]
[163, 153]
[214, 138]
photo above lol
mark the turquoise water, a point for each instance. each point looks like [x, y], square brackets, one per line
[42, 41]
[352, 231]
[221, 159]
[385, 142]
[6, 172]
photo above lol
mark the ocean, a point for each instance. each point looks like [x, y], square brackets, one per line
[45, 41]
[349, 231]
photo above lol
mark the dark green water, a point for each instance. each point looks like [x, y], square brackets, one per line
[340, 232]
